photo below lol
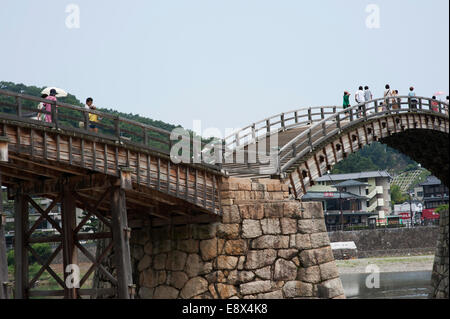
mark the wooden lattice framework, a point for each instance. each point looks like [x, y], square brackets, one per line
[68, 242]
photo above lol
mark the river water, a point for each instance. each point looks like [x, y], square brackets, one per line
[392, 285]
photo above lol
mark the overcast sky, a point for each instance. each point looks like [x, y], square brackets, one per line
[225, 62]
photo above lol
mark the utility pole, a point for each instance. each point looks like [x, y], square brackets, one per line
[3, 255]
[410, 210]
[340, 207]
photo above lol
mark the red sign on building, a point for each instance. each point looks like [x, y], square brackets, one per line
[430, 213]
[405, 216]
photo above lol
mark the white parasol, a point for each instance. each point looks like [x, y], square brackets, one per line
[59, 92]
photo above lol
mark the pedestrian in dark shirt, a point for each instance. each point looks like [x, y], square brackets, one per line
[346, 103]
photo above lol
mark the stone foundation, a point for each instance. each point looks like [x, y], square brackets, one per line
[439, 277]
[264, 246]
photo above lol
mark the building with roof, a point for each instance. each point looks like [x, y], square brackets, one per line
[378, 190]
[435, 194]
[346, 200]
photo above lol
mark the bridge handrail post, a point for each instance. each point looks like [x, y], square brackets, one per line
[19, 106]
[309, 116]
[440, 106]
[282, 121]
[296, 117]
[145, 137]
[365, 111]
[54, 114]
[420, 104]
[274, 153]
[254, 132]
[351, 114]
[268, 125]
[86, 120]
[117, 127]
[310, 140]
[223, 155]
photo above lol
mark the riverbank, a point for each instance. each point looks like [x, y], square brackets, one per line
[387, 264]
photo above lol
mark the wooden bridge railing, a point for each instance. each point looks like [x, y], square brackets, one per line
[307, 140]
[320, 123]
[279, 122]
[319, 120]
[15, 105]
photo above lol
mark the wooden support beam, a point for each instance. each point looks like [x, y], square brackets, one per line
[68, 219]
[4, 293]
[125, 178]
[54, 166]
[121, 238]
[4, 148]
[20, 251]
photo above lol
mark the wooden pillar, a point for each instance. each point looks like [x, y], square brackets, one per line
[4, 148]
[68, 219]
[20, 243]
[121, 244]
[3, 256]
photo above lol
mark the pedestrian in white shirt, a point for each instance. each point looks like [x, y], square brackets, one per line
[360, 99]
[88, 104]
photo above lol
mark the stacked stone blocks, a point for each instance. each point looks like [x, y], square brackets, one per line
[265, 246]
[439, 277]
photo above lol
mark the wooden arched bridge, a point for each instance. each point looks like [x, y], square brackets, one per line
[125, 171]
[310, 141]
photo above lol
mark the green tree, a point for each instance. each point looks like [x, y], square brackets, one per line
[397, 197]
[375, 157]
[441, 208]
[43, 250]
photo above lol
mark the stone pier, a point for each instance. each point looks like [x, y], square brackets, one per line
[265, 245]
[439, 277]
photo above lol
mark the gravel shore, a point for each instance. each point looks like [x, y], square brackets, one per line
[387, 264]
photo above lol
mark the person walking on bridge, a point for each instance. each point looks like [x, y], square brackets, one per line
[359, 95]
[367, 94]
[412, 98]
[446, 106]
[41, 107]
[387, 96]
[394, 100]
[434, 104]
[93, 119]
[346, 100]
[360, 99]
[48, 106]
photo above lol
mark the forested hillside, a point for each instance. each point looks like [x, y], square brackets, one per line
[373, 157]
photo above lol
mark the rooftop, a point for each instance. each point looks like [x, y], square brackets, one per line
[344, 177]
[431, 180]
[330, 195]
[350, 183]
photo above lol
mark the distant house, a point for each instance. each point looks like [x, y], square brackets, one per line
[435, 194]
[348, 197]
[378, 190]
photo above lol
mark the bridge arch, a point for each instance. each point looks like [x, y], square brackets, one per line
[310, 147]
